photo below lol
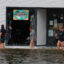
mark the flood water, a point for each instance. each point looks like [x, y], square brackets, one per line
[16, 56]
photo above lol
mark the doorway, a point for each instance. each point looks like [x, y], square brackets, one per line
[20, 19]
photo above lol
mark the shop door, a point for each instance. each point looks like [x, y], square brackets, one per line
[55, 18]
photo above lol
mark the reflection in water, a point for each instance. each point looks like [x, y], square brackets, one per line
[17, 56]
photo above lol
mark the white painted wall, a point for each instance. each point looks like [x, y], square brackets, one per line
[41, 27]
[26, 3]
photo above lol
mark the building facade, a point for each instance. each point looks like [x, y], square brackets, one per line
[48, 15]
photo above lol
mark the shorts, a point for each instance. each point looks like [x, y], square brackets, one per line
[62, 40]
[2, 39]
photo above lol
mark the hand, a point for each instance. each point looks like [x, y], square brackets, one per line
[28, 38]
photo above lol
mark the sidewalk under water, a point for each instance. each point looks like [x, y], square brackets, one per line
[27, 56]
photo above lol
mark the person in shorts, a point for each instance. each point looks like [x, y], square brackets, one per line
[3, 31]
[1, 40]
[31, 37]
[60, 41]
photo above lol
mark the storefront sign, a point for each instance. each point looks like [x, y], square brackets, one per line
[20, 14]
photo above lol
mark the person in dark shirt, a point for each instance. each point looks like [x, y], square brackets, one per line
[3, 31]
[60, 35]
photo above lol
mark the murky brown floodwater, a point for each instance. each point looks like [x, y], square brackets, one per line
[12, 56]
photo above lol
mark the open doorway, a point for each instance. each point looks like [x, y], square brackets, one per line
[20, 20]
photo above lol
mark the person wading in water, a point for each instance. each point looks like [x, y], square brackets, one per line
[3, 34]
[31, 37]
[60, 41]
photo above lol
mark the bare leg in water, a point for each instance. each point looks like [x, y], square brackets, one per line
[58, 45]
[32, 45]
[62, 46]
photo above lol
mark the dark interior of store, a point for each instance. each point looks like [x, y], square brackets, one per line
[20, 28]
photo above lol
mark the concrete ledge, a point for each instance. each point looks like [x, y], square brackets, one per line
[28, 47]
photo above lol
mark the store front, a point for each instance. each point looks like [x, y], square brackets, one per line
[20, 20]
[45, 22]
[48, 21]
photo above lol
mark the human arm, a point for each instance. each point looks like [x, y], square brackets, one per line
[56, 34]
[28, 38]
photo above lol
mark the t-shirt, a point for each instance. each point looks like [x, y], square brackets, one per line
[31, 34]
[61, 35]
[3, 32]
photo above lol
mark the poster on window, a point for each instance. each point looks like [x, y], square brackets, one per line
[50, 33]
[51, 22]
[55, 23]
